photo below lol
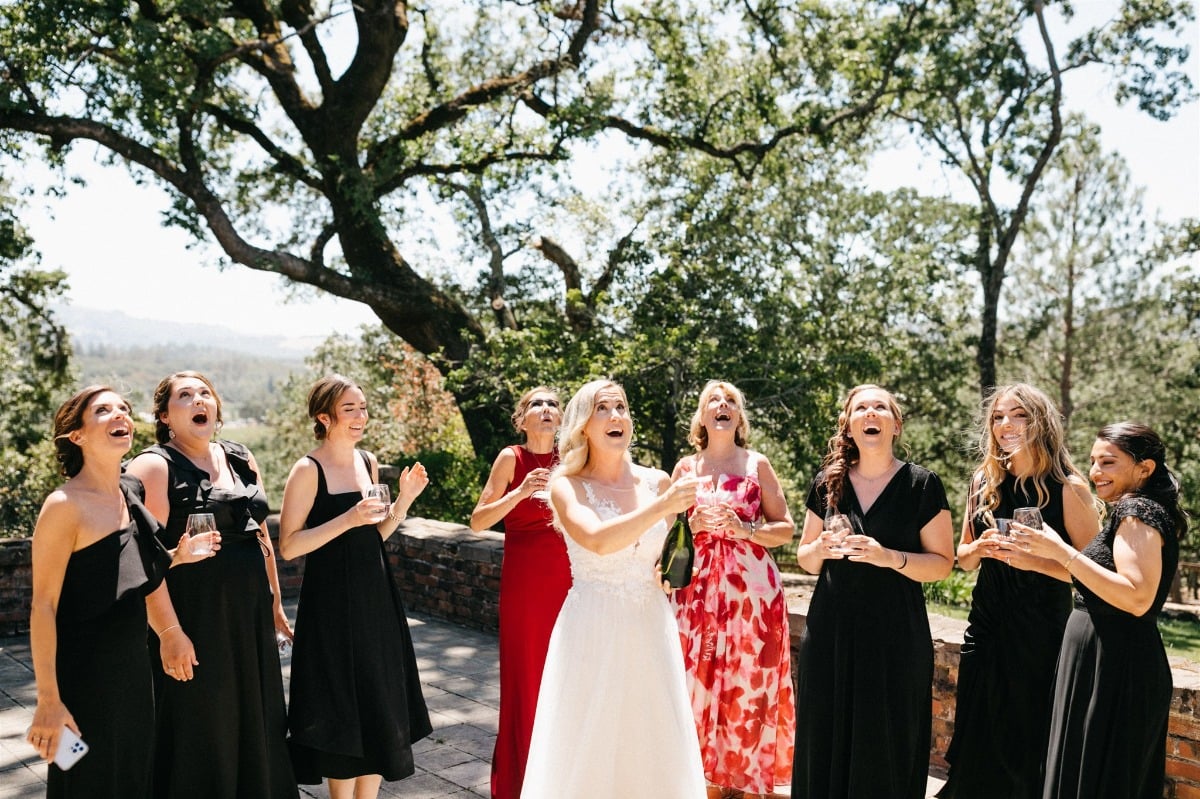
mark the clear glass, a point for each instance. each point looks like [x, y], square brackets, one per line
[839, 525]
[1030, 517]
[380, 492]
[198, 524]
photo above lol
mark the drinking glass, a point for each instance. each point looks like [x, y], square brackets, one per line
[839, 525]
[1030, 517]
[1002, 527]
[379, 491]
[198, 524]
[705, 494]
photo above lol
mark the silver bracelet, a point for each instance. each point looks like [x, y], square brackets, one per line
[1067, 562]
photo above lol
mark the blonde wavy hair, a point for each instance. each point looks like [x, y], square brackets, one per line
[1045, 442]
[698, 435]
[573, 451]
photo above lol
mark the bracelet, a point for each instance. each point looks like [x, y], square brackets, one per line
[166, 630]
[395, 518]
[903, 561]
[1067, 562]
[753, 529]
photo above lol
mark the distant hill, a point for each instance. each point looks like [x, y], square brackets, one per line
[93, 326]
[133, 355]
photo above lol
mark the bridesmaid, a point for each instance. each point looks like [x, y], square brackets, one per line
[1112, 696]
[534, 578]
[1020, 603]
[866, 657]
[233, 711]
[97, 575]
[733, 621]
[356, 705]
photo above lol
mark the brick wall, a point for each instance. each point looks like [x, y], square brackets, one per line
[448, 571]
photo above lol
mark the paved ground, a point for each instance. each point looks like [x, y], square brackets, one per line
[461, 684]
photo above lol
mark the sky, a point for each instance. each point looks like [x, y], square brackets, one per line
[108, 238]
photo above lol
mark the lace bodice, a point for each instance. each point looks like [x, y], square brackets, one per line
[628, 572]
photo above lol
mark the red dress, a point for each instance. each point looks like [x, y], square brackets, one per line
[733, 625]
[534, 580]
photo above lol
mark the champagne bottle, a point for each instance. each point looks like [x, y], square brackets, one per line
[678, 553]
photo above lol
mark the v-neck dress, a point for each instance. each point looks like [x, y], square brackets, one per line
[866, 657]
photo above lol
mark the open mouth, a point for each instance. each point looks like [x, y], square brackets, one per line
[200, 418]
[119, 432]
[872, 429]
[723, 417]
[615, 433]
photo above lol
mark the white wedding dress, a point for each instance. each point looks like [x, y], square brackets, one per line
[613, 715]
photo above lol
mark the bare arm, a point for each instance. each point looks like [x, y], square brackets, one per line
[1082, 521]
[777, 528]
[53, 541]
[412, 482]
[605, 536]
[497, 499]
[813, 550]
[281, 620]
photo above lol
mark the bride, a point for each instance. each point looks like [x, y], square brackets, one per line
[613, 716]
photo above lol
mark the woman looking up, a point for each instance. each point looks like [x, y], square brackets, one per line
[863, 708]
[733, 621]
[229, 605]
[534, 577]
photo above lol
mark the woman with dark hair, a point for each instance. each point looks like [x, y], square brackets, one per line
[1113, 687]
[356, 705]
[733, 621]
[97, 579]
[534, 577]
[233, 710]
[1020, 604]
[863, 706]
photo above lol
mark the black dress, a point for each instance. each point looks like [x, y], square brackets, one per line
[863, 708]
[103, 672]
[356, 706]
[1006, 674]
[222, 735]
[1112, 695]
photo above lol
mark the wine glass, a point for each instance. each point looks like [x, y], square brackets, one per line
[1030, 517]
[839, 525]
[199, 524]
[379, 492]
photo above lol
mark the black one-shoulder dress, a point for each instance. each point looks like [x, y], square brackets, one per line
[103, 672]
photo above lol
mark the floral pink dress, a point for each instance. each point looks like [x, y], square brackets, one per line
[733, 626]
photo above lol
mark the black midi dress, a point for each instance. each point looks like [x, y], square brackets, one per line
[1112, 693]
[356, 706]
[103, 672]
[223, 734]
[1006, 673]
[864, 699]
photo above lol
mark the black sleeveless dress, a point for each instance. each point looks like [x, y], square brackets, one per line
[1006, 674]
[222, 735]
[103, 672]
[1112, 693]
[864, 698]
[356, 706]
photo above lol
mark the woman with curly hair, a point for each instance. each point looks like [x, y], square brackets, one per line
[866, 657]
[1020, 603]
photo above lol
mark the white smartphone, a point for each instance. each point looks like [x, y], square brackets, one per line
[70, 748]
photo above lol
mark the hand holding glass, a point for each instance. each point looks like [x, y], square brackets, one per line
[197, 525]
[839, 524]
[380, 493]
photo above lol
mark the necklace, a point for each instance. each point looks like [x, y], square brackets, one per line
[891, 469]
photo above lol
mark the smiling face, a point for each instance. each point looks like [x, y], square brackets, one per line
[1114, 471]
[872, 419]
[609, 425]
[93, 422]
[1009, 424]
[348, 416]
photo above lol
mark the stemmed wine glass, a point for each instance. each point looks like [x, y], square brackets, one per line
[839, 525]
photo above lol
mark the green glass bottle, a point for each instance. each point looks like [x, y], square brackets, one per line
[678, 554]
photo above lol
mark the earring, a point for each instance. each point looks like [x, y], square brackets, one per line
[170, 433]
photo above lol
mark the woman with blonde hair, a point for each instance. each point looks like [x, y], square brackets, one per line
[733, 621]
[866, 657]
[1020, 603]
[534, 577]
[613, 717]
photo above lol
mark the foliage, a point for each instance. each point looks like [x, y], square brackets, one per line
[952, 591]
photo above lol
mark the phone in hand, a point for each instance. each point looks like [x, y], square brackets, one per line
[70, 748]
